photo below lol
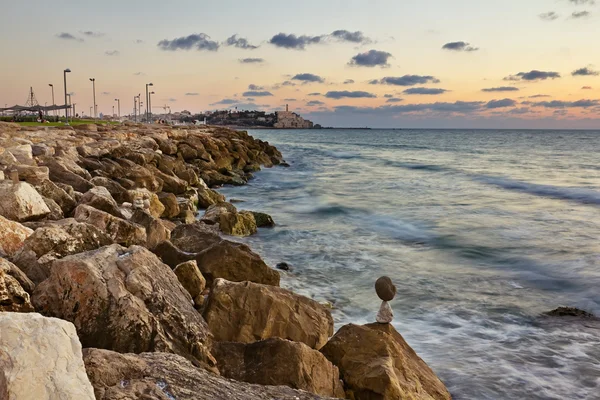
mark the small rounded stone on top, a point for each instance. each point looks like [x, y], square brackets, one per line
[385, 288]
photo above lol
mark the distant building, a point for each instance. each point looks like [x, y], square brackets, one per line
[290, 120]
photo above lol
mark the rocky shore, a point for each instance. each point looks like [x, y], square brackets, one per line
[117, 280]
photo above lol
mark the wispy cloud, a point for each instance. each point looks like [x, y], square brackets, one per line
[580, 14]
[251, 60]
[192, 94]
[313, 103]
[549, 16]
[112, 53]
[348, 81]
[92, 34]
[239, 42]
[254, 93]
[425, 91]
[68, 36]
[585, 72]
[501, 89]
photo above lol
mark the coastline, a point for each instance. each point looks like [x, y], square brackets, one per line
[103, 231]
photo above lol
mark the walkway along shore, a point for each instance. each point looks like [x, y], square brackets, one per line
[113, 285]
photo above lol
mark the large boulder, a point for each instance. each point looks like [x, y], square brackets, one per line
[100, 198]
[13, 297]
[150, 201]
[235, 262]
[125, 299]
[196, 237]
[247, 312]
[190, 278]
[117, 191]
[119, 230]
[61, 171]
[207, 197]
[165, 376]
[230, 220]
[55, 241]
[9, 268]
[21, 202]
[263, 220]
[41, 358]
[170, 204]
[31, 174]
[156, 230]
[12, 236]
[376, 363]
[279, 362]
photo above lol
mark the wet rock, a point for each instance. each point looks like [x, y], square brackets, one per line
[263, 220]
[13, 298]
[279, 362]
[12, 236]
[196, 237]
[168, 376]
[54, 192]
[569, 312]
[231, 222]
[247, 312]
[41, 358]
[284, 266]
[125, 299]
[119, 230]
[170, 204]
[100, 198]
[208, 197]
[376, 363]
[235, 262]
[171, 255]
[21, 202]
[156, 231]
[190, 278]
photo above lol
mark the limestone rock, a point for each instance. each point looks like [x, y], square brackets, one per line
[263, 220]
[235, 262]
[156, 231]
[13, 298]
[207, 197]
[100, 198]
[12, 236]
[246, 312]
[165, 376]
[21, 202]
[23, 154]
[41, 358]
[56, 213]
[376, 363]
[279, 362]
[190, 278]
[231, 222]
[149, 199]
[171, 255]
[195, 237]
[61, 170]
[170, 204]
[9, 268]
[32, 174]
[119, 230]
[117, 191]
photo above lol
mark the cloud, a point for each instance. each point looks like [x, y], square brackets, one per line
[406, 80]
[306, 77]
[549, 16]
[501, 89]
[348, 94]
[348, 81]
[586, 88]
[225, 102]
[138, 73]
[565, 104]
[139, 41]
[68, 36]
[92, 34]
[314, 94]
[520, 111]
[460, 107]
[536, 96]
[459, 46]
[422, 90]
[580, 14]
[192, 94]
[372, 58]
[240, 43]
[585, 72]
[251, 60]
[290, 100]
[252, 86]
[254, 93]
[112, 53]
[294, 42]
[313, 103]
[501, 103]
[394, 100]
[347, 36]
[533, 75]
[200, 41]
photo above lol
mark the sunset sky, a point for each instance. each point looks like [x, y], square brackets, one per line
[380, 63]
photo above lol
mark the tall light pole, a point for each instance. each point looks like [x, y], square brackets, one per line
[150, 106]
[147, 110]
[95, 106]
[90, 112]
[74, 113]
[118, 106]
[66, 71]
[135, 108]
[53, 103]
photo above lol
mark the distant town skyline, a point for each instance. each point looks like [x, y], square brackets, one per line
[429, 63]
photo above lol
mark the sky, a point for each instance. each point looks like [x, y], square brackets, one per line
[352, 63]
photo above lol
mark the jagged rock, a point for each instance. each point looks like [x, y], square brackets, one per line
[235, 262]
[207, 197]
[55, 241]
[12, 236]
[56, 213]
[41, 358]
[247, 312]
[119, 230]
[9, 268]
[151, 201]
[60, 173]
[376, 363]
[125, 299]
[52, 191]
[42, 150]
[117, 191]
[196, 237]
[170, 204]
[168, 376]
[23, 154]
[263, 220]
[171, 183]
[13, 298]
[156, 231]
[279, 362]
[231, 222]
[171, 255]
[100, 198]
[186, 217]
[32, 174]
[21, 202]
[190, 278]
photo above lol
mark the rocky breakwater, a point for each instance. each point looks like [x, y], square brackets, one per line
[116, 254]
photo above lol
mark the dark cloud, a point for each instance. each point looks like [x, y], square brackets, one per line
[348, 94]
[294, 42]
[314, 94]
[459, 46]
[549, 16]
[501, 89]
[567, 104]
[348, 81]
[68, 36]
[257, 93]
[580, 14]
[394, 100]
[585, 72]
[240, 43]
[501, 103]
[422, 90]
[225, 102]
[200, 41]
[313, 103]
[252, 86]
[92, 34]
[112, 53]
[533, 75]
[252, 60]
[537, 96]
[306, 77]
[372, 58]
[460, 107]
[347, 36]
[406, 80]
[192, 94]
[388, 96]
[586, 88]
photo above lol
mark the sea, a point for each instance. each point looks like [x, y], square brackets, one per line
[482, 232]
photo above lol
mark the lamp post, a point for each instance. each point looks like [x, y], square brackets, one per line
[150, 106]
[53, 103]
[74, 113]
[94, 89]
[135, 108]
[147, 110]
[66, 71]
[118, 106]
[91, 112]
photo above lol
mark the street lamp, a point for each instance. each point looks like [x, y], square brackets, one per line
[74, 104]
[119, 106]
[150, 106]
[66, 71]
[53, 103]
[91, 112]
[95, 105]
[135, 108]
[147, 110]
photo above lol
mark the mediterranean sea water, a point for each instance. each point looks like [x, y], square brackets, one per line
[481, 231]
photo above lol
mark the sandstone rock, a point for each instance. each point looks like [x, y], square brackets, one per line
[207, 197]
[23, 154]
[235, 262]
[171, 255]
[119, 230]
[376, 363]
[55, 241]
[156, 231]
[151, 200]
[230, 221]
[246, 312]
[165, 376]
[117, 191]
[100, 198]
[52, 191]
[186, 217]
[190, 278]
[40, 358]
[32, 174]
[279, 362]
[170, 204]
[60, 172]
[13, 298]
[56, 213]
[9, 268]
[196, 237]
[125, 299]
[263, 220]
[42, 150]
[21, 202]
[12, 236]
